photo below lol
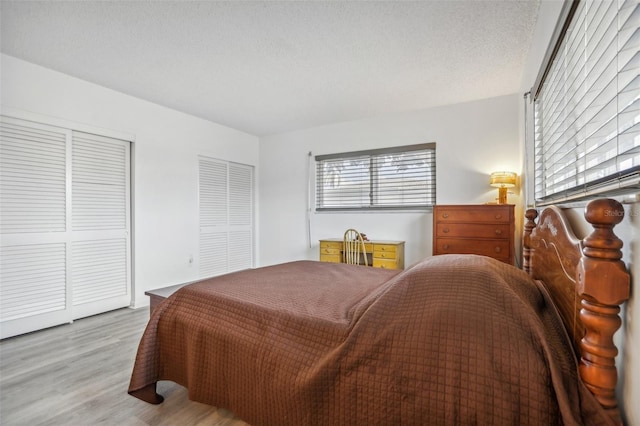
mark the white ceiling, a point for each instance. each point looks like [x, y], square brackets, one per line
[271, 67]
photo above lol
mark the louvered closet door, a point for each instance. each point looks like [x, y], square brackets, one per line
[240, 217]
[64, 224]
[100, 224]
[226, 217]
[34, 213]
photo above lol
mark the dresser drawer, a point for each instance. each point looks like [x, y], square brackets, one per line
[333, 258]
[478, 230]
[386, 263]
[384, 255]
[498, 249]
[385, 250]
[330, 247]
[485, 229]
[331, 244]
[474, 214]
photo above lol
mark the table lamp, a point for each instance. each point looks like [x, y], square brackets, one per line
[503, 181]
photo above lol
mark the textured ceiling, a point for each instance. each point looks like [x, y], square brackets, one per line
[271, 67]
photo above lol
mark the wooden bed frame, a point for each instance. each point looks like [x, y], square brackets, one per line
[588, 281]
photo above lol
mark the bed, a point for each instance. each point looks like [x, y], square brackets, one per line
[454, 339]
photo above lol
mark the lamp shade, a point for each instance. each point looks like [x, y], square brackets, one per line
[503, 179]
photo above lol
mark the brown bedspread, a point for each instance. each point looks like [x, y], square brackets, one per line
[457, 339]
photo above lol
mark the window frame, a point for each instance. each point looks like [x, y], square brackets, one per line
[622, 180]
[374, 182]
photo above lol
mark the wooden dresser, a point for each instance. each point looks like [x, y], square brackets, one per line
[380, 254]
[487, 229]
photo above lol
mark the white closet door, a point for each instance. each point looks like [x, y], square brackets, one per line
[226, 217]
[213, 209]
[240, 217]
[34, 213]
[64, 225]
[100, 224]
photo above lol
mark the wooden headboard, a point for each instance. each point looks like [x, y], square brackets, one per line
[588, 281]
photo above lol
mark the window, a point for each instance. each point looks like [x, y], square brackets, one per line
[391, 178]
[587, 104]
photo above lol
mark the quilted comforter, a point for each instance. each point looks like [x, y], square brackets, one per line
[455, 339]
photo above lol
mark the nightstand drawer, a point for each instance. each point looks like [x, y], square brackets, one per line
[473, 229]
[474, 214]
[498, 249]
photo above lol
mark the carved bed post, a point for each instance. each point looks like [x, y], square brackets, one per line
[531, 216]
[603, 285]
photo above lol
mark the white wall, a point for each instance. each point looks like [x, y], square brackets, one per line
[165, 161]
[629, 338]
[473, 139]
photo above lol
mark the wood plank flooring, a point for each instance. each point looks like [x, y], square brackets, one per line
[78, 374]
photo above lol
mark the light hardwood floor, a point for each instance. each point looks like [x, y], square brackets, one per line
[78, 374]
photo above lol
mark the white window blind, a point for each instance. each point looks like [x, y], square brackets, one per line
[394, 178]
[226, 216]
[587, 106]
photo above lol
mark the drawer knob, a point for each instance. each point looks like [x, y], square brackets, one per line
[445, 215]
[498, 216]
[497, 249]
[445, 246]
[445, 230]
[382, 266]
[498, 231]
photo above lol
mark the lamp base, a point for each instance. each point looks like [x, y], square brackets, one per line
[502, 195]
